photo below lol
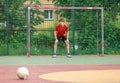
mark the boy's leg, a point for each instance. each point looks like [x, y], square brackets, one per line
[67, 47]
[55, 47]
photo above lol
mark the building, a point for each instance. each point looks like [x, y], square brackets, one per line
[50, 17]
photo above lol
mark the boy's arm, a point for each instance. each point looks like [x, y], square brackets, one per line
[55, 34]
[67, 32]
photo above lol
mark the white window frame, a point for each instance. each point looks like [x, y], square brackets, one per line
[49, 15]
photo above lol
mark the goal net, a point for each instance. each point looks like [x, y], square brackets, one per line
[99, 10]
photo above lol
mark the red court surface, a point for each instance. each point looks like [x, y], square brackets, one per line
[8, 73]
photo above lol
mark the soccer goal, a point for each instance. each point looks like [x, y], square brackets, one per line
[64, 8]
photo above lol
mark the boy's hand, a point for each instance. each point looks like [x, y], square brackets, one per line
[56, 40]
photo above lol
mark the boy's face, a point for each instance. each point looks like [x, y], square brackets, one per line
[62, 23]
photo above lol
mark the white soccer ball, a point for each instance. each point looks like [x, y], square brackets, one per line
[22, 73]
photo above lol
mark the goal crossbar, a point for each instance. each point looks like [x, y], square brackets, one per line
[64, 7]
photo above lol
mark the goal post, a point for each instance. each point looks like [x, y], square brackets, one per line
[38, 7]
[28, 31]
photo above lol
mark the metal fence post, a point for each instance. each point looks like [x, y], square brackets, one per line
[97, 32]
[73, 27]
[7, 22]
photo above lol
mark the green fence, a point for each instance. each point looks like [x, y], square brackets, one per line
[42, 42]
[85, 38]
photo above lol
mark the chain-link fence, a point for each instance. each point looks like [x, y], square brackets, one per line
[85, 38]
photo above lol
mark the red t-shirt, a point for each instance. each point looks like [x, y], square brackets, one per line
[61, 30]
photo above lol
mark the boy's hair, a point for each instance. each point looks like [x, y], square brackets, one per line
[61, 20]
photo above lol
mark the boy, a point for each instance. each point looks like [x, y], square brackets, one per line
[61, 32]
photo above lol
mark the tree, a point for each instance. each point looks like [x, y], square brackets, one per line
[17, 10]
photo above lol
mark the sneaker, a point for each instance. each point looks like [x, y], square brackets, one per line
[68, 55]
[54, 56]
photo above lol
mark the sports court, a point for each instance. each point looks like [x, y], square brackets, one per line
[78, 69]
[90, 32]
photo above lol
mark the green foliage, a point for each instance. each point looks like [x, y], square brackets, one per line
[17, 11]
[17, 15]
[2, 48]
[2, 11]
[17, 48]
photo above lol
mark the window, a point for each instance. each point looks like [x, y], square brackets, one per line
[48, 14]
